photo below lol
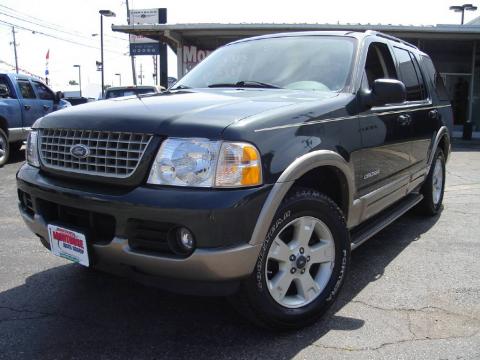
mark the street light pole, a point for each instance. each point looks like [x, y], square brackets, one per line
[103, 13]
[462, 8]
[79, 78]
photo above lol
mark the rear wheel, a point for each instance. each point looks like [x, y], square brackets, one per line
[434, 186]
[4, 148]
[301, 266]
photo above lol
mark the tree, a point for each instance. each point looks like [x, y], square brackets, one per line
[73, 82]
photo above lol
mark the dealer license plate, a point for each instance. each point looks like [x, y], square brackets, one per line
[68, 244]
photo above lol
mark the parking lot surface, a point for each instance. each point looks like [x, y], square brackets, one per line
[413, 293]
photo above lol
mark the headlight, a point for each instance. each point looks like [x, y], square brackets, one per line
[206, 163]
[31, 152]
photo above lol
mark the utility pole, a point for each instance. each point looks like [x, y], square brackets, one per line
[15, 49]
[134, 73]
[141, 74]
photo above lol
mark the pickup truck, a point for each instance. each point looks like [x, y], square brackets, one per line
[254, 176]
[23, 99]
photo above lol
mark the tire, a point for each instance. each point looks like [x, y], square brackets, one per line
[431, 190]
[259, 300]
[4, 148]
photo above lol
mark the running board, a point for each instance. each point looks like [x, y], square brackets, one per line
[365, 231]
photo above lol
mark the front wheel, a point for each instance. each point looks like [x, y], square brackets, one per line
[4, 148]
[301, 266]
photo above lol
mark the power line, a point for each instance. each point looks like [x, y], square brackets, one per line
[48, 25]
[6, 23]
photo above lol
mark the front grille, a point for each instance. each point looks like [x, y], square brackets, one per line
[111, 154]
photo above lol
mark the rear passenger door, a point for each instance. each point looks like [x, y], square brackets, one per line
[420, 115]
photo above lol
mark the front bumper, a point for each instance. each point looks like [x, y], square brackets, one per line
[222, 222]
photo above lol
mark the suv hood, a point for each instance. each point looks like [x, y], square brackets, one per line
[200, 113]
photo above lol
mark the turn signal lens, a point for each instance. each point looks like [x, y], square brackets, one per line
[238, 165]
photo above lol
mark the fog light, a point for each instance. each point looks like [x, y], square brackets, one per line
[185, 239]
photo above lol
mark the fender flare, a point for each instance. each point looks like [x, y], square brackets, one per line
[442, 132]
[293, 172]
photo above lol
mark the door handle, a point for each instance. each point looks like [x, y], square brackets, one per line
[27, 107]
[433, 114]
[46, 107]
[404, 120]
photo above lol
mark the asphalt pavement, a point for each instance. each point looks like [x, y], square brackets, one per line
[413, 292]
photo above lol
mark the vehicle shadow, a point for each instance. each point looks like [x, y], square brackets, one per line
[72, 312]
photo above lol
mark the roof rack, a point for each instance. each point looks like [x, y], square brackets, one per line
[390, 37]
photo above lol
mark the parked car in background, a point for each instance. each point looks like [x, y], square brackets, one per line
[119, 91]
[171, 81]
[23, 99]
[79, 100]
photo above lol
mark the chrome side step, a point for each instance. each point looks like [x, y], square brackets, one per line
[365, 231]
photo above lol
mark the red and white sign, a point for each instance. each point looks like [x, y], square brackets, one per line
[192, 56]
[68, 244]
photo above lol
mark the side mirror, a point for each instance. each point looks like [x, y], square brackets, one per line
[4, 92]
[385, 91]
[58, 96]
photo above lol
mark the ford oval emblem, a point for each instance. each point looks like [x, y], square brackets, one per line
[80, 151]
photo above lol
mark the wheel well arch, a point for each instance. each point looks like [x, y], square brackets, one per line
[324, 164]
[328, 180]
[4, 125]
[444, 144]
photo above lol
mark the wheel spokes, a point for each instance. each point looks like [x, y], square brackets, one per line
[279, 251]
[279, 285]
[303, 230]
[307, 288]
[322, 252]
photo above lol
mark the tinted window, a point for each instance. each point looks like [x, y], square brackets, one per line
[379, 63]
[127, 92]
[43, 91]
[26, 89]
[4, 81]
[319, 63]
[413, 81]
[435, 78]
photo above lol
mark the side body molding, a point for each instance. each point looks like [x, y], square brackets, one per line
[294, 171]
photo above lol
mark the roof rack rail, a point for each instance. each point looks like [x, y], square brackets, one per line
[390, 37]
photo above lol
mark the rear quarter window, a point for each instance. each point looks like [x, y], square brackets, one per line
[434, 78]
[410, 75]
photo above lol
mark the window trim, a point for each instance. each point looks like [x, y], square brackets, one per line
[35, 82]
[426, 99]
[21, 94]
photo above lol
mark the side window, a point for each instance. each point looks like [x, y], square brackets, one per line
[410, 75]
[26, 89]
[43, 91]
[379, 64]
[435, 78]
[4, 81]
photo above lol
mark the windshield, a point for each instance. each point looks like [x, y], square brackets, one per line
[321, 63]
[127, 92]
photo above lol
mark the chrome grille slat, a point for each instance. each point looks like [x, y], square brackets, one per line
[112, 154]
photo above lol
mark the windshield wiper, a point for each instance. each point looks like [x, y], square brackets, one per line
[246, 84]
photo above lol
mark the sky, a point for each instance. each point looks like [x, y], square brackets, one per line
[68, 27]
